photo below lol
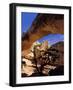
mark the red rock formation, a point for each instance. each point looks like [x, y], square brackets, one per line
[43, 24]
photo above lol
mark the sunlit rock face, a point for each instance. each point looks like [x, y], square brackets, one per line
[44, 46]
[47, 69]
[41, 47]
[27, 68]
[47, 63]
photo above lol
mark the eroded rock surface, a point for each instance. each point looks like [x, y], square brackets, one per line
[50, 62]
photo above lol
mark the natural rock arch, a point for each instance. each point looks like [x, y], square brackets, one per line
[43, 24]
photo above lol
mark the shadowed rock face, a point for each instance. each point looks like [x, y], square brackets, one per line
[58, 50]
[43, 24]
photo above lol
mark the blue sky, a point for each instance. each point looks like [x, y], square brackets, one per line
[27, 19]
[26, 22]
[52, 38]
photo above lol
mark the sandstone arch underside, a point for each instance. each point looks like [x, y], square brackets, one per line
[43, 24]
